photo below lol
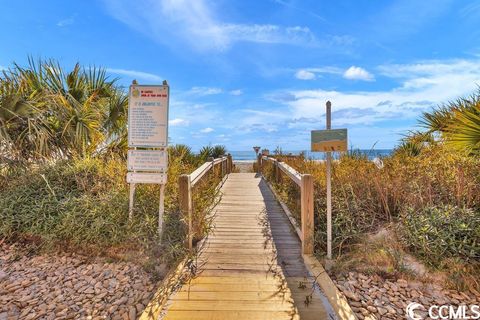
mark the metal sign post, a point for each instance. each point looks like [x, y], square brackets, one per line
[328, 141]
[148, 129]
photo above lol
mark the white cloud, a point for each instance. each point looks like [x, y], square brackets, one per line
[207, 130]
[437, 79]
[191, 113]
[420, 86]
[252, 120]
[222, 138]
[268, 33]
[378, 114]
[135, 74]
[430, 67]
[196, 23]
[304, 75]
[312, 73]
[331, 70]
[357, 73]
[2, 68]
[178, 122]
[205, 91]
[65, 22]
[237, 92]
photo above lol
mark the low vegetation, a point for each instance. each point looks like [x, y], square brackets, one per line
[82, 204]
[425, 197]
[63, 169]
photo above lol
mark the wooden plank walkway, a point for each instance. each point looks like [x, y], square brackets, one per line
[251, 265]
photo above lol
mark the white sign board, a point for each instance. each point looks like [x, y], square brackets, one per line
[147, 160]
[148, 116]
[143, 177]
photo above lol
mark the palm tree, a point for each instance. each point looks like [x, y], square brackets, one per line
[46, 112]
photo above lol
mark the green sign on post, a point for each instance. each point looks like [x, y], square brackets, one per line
[329, 140]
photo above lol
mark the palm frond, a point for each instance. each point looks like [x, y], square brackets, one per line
[464, 132]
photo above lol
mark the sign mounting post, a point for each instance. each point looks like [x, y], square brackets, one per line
[148, 137]
[329, 140]
[329, 186]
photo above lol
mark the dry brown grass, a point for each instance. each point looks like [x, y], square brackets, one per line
[407, 190]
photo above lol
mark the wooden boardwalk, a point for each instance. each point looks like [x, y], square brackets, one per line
[251, 266]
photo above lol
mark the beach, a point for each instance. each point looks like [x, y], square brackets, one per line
[244, 165]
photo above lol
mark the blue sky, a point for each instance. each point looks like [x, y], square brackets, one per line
[246, 73]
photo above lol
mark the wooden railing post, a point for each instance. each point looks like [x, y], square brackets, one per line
[223, 166]
[211, 160]
[229, 163]
[186, 207]
[307, 199]
[277, 172]
[259, 163]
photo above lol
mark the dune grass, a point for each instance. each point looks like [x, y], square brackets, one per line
[81, 204]
[430, 203]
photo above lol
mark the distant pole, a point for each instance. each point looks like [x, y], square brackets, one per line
[329, 186]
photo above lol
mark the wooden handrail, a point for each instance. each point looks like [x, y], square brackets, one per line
[218, 160]
[186, 182]
[305, 182]
[198, 174]
[292, 173]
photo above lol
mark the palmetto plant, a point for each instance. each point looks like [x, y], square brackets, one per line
[182, 152]
[205, 152]
[438, 119]
[414, 142]
[46, 112]
[464, 132]
[457, 123]
[219, 151]
[212, 152]
[23, 128]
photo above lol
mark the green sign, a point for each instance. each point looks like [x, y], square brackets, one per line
[329, 140]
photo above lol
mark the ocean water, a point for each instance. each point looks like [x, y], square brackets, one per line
[250, 155]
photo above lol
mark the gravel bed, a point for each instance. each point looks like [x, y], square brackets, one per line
[70, 287]
[372, 297]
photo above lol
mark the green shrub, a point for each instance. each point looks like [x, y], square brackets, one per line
[208, 151]
[81, 202]
[440, 232]
[366, 198]
[84, 203]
